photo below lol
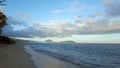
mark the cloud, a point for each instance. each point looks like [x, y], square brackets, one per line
[2, 8]
[56, 11]
[24, 16]
[62, 28]
[76, 6]
[18, 28]
[98, 23]
[107, 2]
[113, 8]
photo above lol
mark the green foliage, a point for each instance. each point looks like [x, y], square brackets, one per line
[3, 20]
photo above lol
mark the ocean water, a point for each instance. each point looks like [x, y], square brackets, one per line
[86, 55]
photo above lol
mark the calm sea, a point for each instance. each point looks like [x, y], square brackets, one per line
[87, 55]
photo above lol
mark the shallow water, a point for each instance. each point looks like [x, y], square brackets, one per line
[86, 55]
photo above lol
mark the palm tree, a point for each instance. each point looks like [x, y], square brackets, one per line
[3, 17]
[1, 1]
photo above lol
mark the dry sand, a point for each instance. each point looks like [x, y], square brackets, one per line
[14, 56]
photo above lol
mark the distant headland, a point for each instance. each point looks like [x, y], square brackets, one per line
[51, 41]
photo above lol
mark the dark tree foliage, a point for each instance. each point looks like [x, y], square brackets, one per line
[1, 1]
[3, 17]
[4, 39]
[3, 20]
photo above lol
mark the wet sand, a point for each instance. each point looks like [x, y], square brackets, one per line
[45, 61]
[14, 56]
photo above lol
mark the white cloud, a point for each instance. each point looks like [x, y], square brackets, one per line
[76, 6]
[62, 28]
[107, 2]
[2, 8]
[56, 11]
[24, 16]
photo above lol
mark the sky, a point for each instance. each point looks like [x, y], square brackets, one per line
[84, 21]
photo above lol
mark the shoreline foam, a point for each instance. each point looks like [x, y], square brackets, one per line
[45, 61]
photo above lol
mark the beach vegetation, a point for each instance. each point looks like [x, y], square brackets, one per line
[3, 22]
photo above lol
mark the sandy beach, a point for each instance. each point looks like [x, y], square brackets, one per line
[14, 56]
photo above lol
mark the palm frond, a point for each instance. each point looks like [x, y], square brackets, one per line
[3, 4]
[2, 1]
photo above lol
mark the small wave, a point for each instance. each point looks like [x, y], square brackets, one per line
[88, 56]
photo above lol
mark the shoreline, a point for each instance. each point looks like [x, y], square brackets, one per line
[17, 56]
[45, 61]
[14, 56]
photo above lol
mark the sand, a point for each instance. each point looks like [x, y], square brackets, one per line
[14, 56]
[45, 61]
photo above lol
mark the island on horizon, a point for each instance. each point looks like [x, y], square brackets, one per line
[51, 41]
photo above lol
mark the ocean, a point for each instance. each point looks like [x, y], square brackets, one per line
[81, 54]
